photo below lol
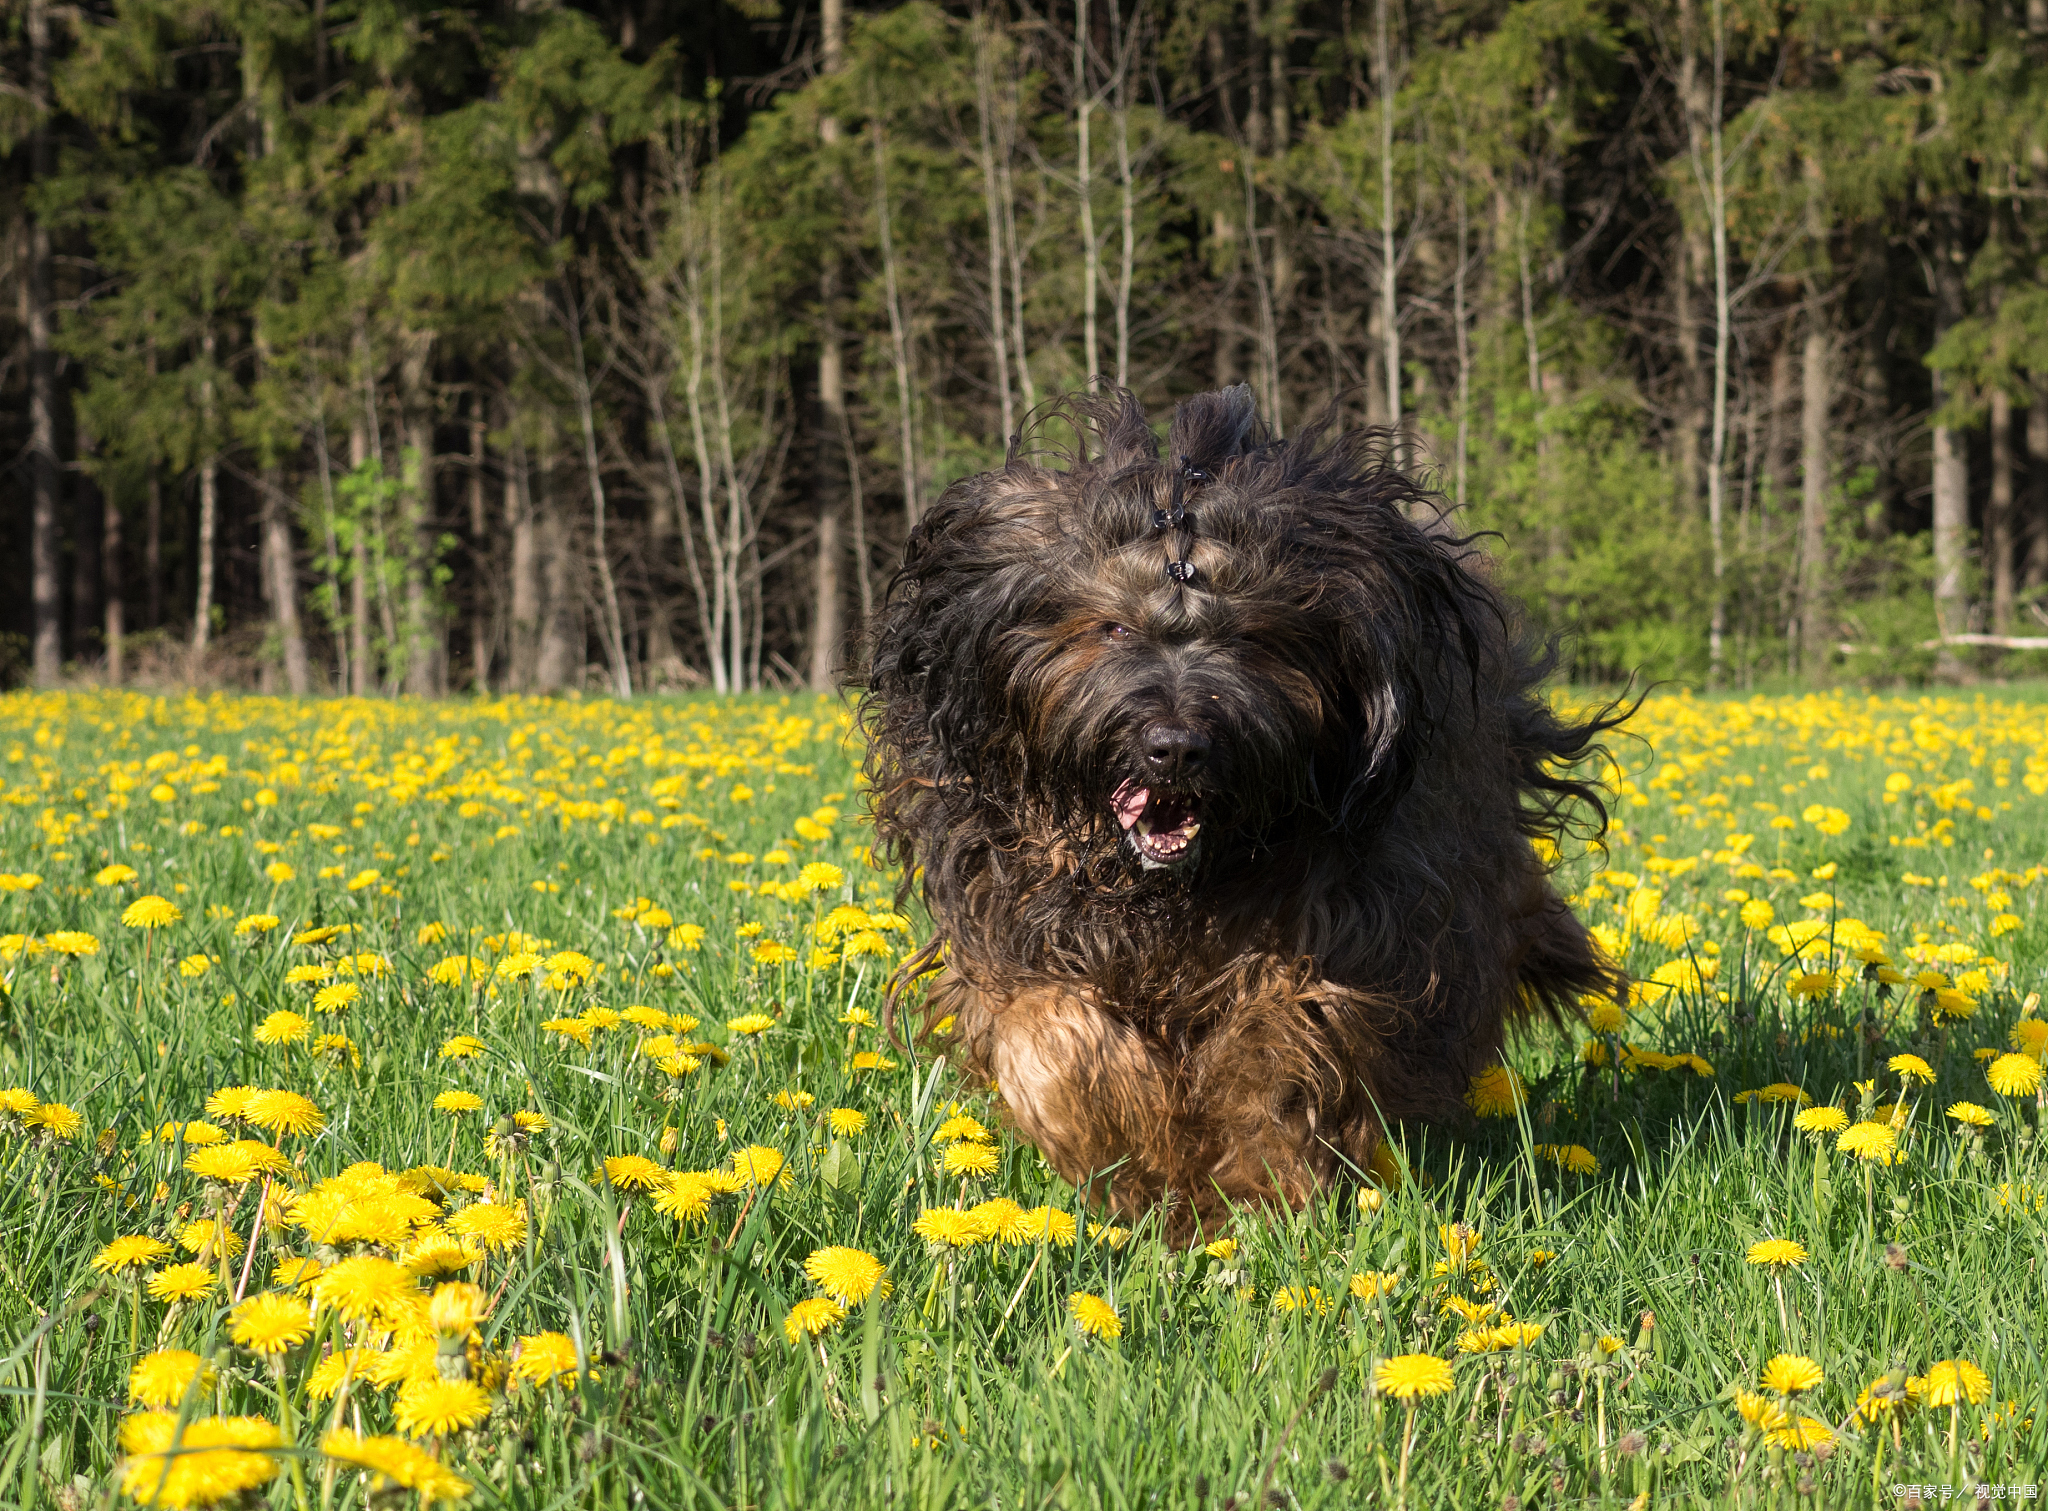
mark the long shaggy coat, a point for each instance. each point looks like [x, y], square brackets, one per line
[1218, 775]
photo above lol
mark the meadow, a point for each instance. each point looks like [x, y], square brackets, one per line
[488, 1103]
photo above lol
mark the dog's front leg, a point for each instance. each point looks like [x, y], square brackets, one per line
[1101, 1102]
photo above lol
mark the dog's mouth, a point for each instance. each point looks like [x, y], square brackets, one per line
[1161, 826]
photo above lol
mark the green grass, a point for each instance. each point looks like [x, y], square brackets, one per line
[970, 1385]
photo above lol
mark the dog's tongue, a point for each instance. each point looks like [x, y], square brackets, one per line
[1129, 802]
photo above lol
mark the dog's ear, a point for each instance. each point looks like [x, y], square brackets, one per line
[1211, 428]
[1123, 436]
[1414, 620]
[973, 566]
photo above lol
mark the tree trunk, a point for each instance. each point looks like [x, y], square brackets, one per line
[827, 633]
[281, 584]
[827, 597]
[1998, 517]
[209, 511]
[1951, 452]
[1223, 257]
[425, 652]
[563, 639]
[88, 521]
[1127, 201]
[153, 550]
[611, 625]
[2037, 481]
[899, 337]
[116, 625]
[1816, 396]
[1711, 176]
[1084, 179]
[525, 606]
[361, 677]
[1777, 438]
[1013, 253]
[479, 554]
[45, 588]
[1461, 327]
[992, 204]
[1689, 255]
[1390, 308]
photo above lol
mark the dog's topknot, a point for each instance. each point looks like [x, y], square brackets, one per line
[1221, 769]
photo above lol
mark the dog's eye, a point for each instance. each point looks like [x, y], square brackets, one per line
[1116, 632]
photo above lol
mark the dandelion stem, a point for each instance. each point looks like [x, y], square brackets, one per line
[1407, 1444]
[255, 1232]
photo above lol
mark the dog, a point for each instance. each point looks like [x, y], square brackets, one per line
[1219, 777]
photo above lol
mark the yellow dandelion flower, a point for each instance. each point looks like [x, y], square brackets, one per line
[181, 1282]
[270, 1323]
[848, 1276]
[151, 912]
[1297, 1298]
[55, 1119]
[1788, 1374]
[365, 1288]
[130, 1252]
[1461, 1243]
[634, 1172]
[491, 1224]
[542, 1358]
[394, 1463]
[162, 1378]
[1876, 1142]
[1778, 1253]
[946, 1228]
[1821, 1120]
[1373, 1284]
[435, 1408]
[750, 1024]
[206, 1239]
[1802, 1435]
[283, 1027]
[1951, 1382]
[812, 1317]
[1095, 1317]
[337, 998]
[977, 1160]
[284, 1112]
[2014, 1075]
[1970, 1115]
[214, 1461]
[1050, 1225]
[1406, 1377]
[1910, 1067]
[847, 1122]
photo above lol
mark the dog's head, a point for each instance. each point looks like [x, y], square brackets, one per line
[1183, 658]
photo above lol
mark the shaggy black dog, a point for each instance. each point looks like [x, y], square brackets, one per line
[1219, 777]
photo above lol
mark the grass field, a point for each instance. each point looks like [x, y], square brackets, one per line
[486, 1100]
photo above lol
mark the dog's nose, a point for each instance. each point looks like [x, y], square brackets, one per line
[1174, 750]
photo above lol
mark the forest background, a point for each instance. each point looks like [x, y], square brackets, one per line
[379, 345]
